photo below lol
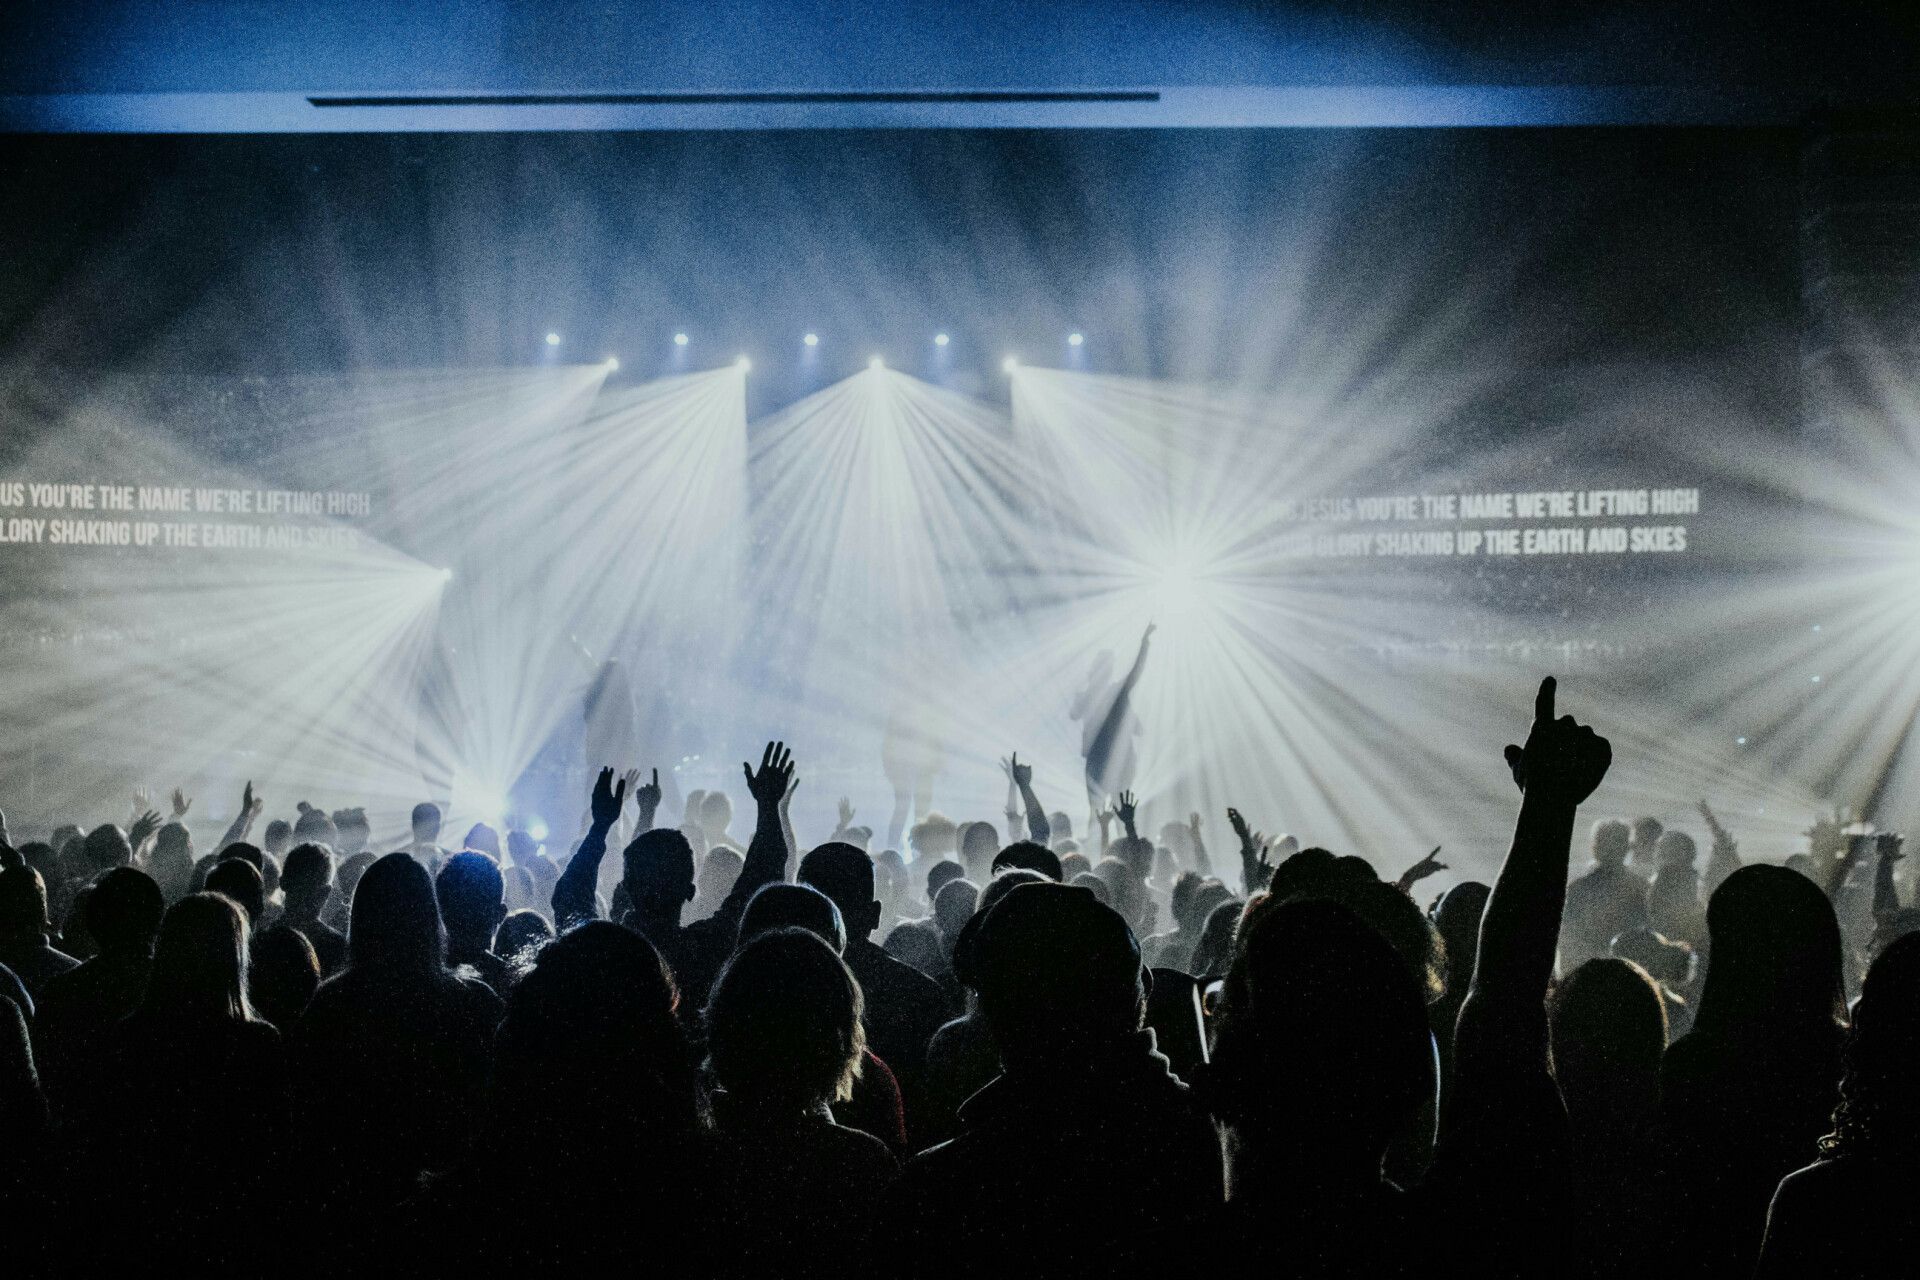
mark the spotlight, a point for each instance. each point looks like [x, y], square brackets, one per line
[553, 339]
[613, 364]
[812, 339]
[1010, 364]
[1075, 339]
[743, 364]
[537, 828]
[876, 363]
[1176, 592]
[940, 339]
[446, 575]
[679, 339]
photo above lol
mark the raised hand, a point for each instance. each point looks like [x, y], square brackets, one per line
[142, 800]
[1563, 761]
[630, 780]
[180, 804]
[1887, 843]
[846, 813]
[250, 804]
[1020, 775]
[1126, 808]
[647, 795]
[769, 786]
[786, 800]
[1427, 866]
[142, 829]
[608, 799]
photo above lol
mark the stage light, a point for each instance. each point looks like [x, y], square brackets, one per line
[743, 364]
[1010, 364]
[537, 828]
[679, 339]
[1176, 591]
[940, 339]
[553, 339]
[613, 364]
[876, 363]
[812, 339]
[446, 575]
[1075, 339]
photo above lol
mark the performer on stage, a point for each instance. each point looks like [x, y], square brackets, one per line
[1108, 728]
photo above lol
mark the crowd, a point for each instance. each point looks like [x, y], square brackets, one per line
[1012, 1052]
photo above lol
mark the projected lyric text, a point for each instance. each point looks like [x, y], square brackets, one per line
[1552, 522]
[68, 513]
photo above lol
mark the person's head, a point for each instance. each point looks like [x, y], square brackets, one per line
[106, 847]
[1058, 976]
[716, 813]
[1609, 1030]
[1059, 825]
[1094, 885]
[1135, 853]
[1457, 919]
[238, 880]
[979, 846]
[933, 838]
[1389, 913]
[1775, 964]
[482, 838]
[1177, 839]
[793, 906]
[200, 961]
[1029, 855]
[395, 921]
[314, 827]
[1323, 1045]
[521, 937]
[1213, 952]
[1663, 960]
[425, 821]
[917, 942]
[1879, 1107]
[940, 872]
[1610, 841]
[845, 874]
[783, 1023]
[1003, 884]
[285, 972]
[1073, 864]
[347, 876]
[306, 880]
[718, 870]
[953, 906]
[473, 898]
[171, 861]
[1676, 849]
[1646, 835]
[591, 1055]
[352, 831]
[249, 853]
[657, 870]
[522, 848]
[278, 837]
[1126, 892]
[123, 912]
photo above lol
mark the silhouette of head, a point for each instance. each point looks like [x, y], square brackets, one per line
[1094, 885]
[979, 843]
[1030, 856]
[1676, 849]
[352, 831]
[716, 813]
[917, 943]
[941, 872]
[1879, 1109]
[953, 906]
[278, 837]
[23, 904]
[1126, 892]
[171, 861]
[395, 923]
[783, 1023]
[1214, 950]
[250, 853]
[1058, 975]
[284, 974]
[520, 938]
[472, 896]
[1663, 960]
[1609, 1030]
[522, 848]
[315, 827]
[482, 838]
[123, 912]
[1136, 854]
[845, 874]
[200, 961]
[347, 878]
[1073, 864]
[239, 881]
[657, 870]
[1775, 955]
[1458, 921]
[1059, 825]
[107, 847]
[933, 838]
[793, 906]
[1611, 841]
[306, 880]
[718, 870]
[1646, 835]
[426, 822]
[1323, 1044]
[591, 1053]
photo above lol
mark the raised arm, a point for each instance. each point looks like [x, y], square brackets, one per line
[1886, 899]
[1413, 875]
[250, 807]
[1021, 775]
[766, 860]
[1256, 872]
[1502, 1032]
[574, 899]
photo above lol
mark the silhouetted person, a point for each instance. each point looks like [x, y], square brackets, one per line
[28, 1184]
[425, 843]
[519, 940]
[903, 1006]
[1853, 1214]
[1673, 899]
[24, 930]
[306, 886]
[171, 861]
[1086, 1142]
[1609, 899]
[473, 902]
[391, 1057]
[1747, 1092]
[1214, 949]
[284, 972]
[1025, 855]
[797, 1192]
[1609, 1033]
[237, 879]
[1457, 920]
[185, 1135]
[593, 1122]
[1108, 726]
[657, 874]
[79, 1009]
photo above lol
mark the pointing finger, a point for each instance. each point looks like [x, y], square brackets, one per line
[1543, 701]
